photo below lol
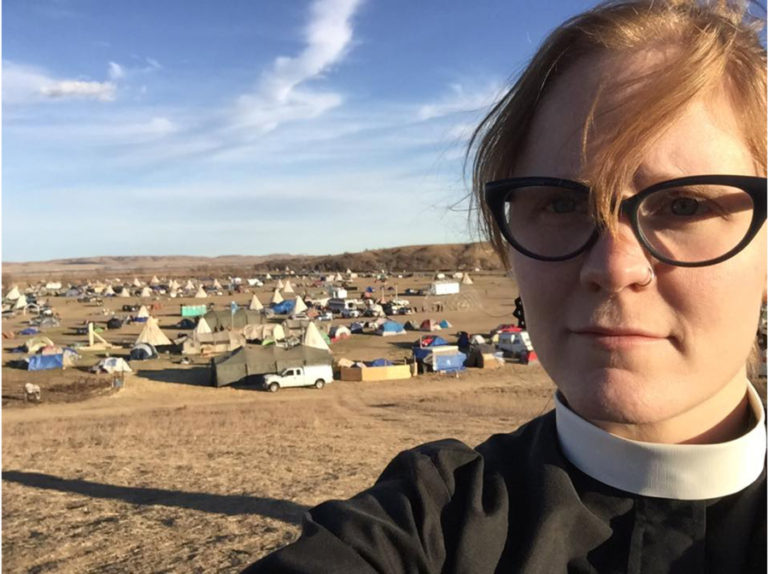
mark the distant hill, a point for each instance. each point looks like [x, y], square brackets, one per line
[446, 257]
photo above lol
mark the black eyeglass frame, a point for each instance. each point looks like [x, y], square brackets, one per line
[496, 193]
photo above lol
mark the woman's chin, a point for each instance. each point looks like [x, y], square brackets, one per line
[618, 396]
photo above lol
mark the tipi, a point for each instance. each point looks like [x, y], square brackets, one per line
[152, 334]
[313, 338]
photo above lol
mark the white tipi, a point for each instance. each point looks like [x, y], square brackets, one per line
[276, 297]
[299, 306]
[152, 334]
[255, 304]
[313, 338]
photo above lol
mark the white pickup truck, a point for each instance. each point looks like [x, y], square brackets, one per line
[307, 376]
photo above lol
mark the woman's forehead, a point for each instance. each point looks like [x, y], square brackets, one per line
[584, 111]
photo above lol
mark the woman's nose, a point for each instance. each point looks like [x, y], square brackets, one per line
[617, 261]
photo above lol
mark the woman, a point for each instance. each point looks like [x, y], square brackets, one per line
[623, 181]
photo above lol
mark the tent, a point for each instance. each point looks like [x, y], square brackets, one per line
[339, 332]
[111, 365]
[218, 320]
[313, 338]
[249, 361]
[265, 332]
[280, 284]
[186, 323]
[255, 304]
[299, 306]
[216, 284]
[466, 280]
[389, 328]
[154, 281]
[202, 327]
[189, 286]
[29, 331]
[13, 294]
[124, 293]
[109, 292]
[36, 343]
[142, 315]
[152, 334]
[283, 307]
[430, 325]
[48, 322]
[288, 288]
[379, 363]
[45, 362]
[21, 302]
[143, 351]
[201, 294]
[136, 282]
[276, 297]
[146, 292]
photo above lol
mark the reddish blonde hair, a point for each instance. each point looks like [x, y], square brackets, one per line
[709, 46]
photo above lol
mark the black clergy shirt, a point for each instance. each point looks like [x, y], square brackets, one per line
[516, 504]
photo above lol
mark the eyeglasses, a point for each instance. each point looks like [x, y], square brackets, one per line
[690, 221]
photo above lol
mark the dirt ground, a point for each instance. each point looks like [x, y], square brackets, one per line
[169, 474]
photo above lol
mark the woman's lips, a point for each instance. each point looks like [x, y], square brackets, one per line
[617, 338]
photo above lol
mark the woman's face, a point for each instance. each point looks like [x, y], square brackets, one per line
[618, 351]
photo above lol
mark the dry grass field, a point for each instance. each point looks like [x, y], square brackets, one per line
[171, 475]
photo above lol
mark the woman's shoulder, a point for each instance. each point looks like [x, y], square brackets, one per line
[499, 452]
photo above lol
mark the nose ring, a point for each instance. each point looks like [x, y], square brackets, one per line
[651, 277]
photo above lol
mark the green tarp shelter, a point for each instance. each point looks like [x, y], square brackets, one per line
[248, 361]
[193, 310]
[218, 320]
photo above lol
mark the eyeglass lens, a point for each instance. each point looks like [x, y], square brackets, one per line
[684, 224]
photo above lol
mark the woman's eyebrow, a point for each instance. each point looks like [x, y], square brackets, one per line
[646, 176]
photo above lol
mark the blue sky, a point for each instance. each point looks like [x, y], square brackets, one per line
[207, 128]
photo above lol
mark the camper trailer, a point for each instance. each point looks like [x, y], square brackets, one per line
[339, 305]
[444, 288]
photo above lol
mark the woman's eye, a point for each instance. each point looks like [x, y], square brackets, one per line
[562, 205]
[686, 206]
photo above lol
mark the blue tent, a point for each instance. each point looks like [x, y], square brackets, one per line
[29, 331]
[284, 307]
[369, 289]
[379, 363]
[390, 328]
[444, 324]
[45, 362]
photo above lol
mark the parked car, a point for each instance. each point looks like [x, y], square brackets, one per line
[307, 376]
[517, 345]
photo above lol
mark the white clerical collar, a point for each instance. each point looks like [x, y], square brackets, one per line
[677, 471]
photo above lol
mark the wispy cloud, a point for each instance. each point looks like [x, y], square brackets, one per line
[27, 84]
[282, 95]
[461, 99]
[116, 71]
[103, 91]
